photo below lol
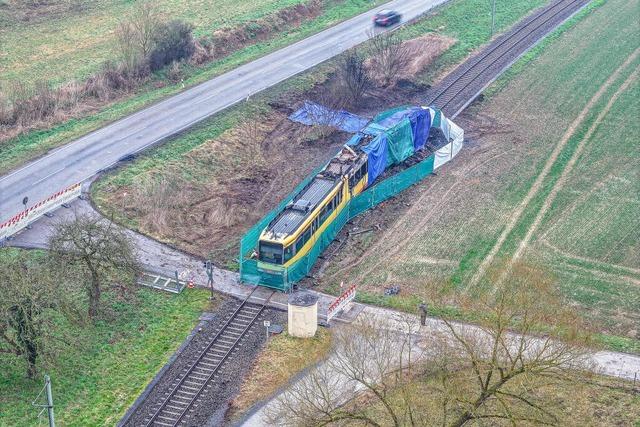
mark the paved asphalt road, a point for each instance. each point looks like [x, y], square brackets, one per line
[83, 158]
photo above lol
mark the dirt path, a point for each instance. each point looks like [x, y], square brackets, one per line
[517, 214]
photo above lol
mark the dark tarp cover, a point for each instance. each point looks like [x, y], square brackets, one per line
[376, 157]
[311, 113]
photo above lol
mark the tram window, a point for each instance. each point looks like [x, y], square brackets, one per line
[270, 252]
[326, 211]
[288, 253]
[304, 238]
[363, 170]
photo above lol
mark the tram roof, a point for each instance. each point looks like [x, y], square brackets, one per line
[301, 206]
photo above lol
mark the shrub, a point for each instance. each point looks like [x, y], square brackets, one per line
[172, 42]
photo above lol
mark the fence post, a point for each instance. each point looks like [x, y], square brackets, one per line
[241, 257]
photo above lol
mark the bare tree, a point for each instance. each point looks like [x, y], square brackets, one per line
[325, 120]
[354, 76]
[368, 358]
[389, 57]
[526, 338]
[135, 35]
[33, 300]
[101, 251]
[127, 44]
[489, 373]
[145, 21]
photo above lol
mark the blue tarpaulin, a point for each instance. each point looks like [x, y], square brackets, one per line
[316, 114]
[420, 124]
[355, 139]
[377, 157]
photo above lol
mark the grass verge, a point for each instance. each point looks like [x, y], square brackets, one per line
[283, 357]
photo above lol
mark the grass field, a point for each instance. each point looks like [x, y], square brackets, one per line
[548, 176]
[95, 383]
[65, 40]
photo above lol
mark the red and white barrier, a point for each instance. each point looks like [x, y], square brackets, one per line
[341, 302]
[26, 217]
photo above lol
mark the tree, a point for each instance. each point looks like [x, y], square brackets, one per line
[389, 57]
[145, 21]
[488, 373]
[33, 298]
[492, 372]
[100, 251]
[354, 76]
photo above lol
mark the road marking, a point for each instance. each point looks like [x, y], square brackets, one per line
[48, 176]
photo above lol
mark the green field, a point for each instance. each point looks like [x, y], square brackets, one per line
[94, 384]
[66, 40]
[480, 209]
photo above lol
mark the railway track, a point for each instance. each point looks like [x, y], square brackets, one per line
[466, 82]
[184, 395]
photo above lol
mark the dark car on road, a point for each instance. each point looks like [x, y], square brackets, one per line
[384, 18]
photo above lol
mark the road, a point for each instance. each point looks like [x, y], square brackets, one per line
[83, 158]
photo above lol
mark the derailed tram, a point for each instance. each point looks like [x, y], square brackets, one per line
[391, 138]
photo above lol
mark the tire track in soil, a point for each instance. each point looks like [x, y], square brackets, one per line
[560, 183]
[568, 255]
[517, 214]
[417, 227]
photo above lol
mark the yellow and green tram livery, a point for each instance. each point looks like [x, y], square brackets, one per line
[294, 231]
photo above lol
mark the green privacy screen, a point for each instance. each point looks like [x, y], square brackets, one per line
[369, 198]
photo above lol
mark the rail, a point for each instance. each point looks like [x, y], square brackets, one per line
[479, 65]
[189, 388]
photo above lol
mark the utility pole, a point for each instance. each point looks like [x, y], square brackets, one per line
[49, 405]
[493, 17]
[47, 382]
